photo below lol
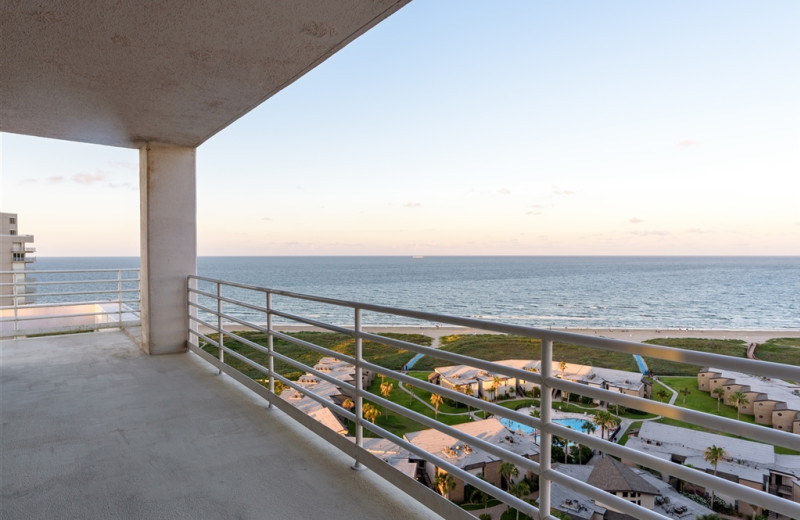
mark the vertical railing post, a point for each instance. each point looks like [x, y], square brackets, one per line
[191, 297]
[359, 380]
[271, 348]
[220, 334]
[14, 289]
[119, 297]
[546, 438]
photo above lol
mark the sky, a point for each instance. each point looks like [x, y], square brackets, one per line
[481, 128]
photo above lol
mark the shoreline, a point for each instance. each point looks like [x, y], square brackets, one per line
[638, 335]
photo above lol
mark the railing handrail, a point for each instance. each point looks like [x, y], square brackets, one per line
[122, 293]
[546, 379]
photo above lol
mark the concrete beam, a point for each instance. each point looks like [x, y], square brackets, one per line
[168, 244]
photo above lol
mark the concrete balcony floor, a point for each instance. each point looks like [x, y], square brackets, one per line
[92, 428]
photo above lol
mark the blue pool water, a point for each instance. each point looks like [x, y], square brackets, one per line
[573, 423]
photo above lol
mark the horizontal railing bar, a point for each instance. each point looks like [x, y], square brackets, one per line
[657, 351]
[58, 316]
[297, 364]
[53, 271]
[66, 304]
[81, 293]
[74, 282]
[70, 328]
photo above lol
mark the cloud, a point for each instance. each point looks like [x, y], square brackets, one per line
[55, 179]
[635, 220]
[88, 178]
[650, 233]
[536, 209]
[412, 205]
[269, 219]
[562, 192]
[687, 142]
[504, 191]
[124, 164]
[696, 230]
[27, 181]
[124, 185]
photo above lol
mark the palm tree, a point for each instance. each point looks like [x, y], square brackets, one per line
[563, 367]
[739, 400]
[604, 420]
[436, 400]
[713, 454]
[684, 392]
[482, 495]
[588, 428]
[508, 470]
[719, 393]
[519, 490]
[467, 390]
[386, 389]
[371, 412]
[495, 386]
[661, 394]
[444, 482]
[348, 404]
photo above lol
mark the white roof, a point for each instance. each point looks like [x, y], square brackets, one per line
[686, 442]
[463, 455]
[776, 389]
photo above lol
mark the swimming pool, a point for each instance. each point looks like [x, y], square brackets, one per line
[570, 422]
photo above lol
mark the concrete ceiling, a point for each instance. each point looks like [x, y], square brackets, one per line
[123, 72]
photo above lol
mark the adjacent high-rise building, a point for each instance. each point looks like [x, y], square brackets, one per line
[15, 255]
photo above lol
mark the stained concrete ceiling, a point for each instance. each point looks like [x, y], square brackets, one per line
[123, 72]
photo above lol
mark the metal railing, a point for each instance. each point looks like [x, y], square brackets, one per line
[216, 308]
[68, 301]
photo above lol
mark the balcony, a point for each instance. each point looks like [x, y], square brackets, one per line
[191, 435]
[95, 429]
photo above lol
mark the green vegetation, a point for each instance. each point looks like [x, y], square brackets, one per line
[385, 356]
[495, 347]
[725, 347]
[398, 424]
[780, 350]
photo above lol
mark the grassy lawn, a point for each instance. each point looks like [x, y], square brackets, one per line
[780, 350]
[495, 347]
[725, 347]
[382, 355]
[705, 402]
[400, 425]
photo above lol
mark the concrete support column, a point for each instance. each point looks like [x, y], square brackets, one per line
[168, 244]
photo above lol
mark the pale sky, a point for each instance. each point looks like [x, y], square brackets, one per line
[474, 127]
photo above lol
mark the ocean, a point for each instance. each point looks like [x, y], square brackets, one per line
[723, 293]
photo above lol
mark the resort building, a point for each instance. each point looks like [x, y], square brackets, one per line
[772, 402]
[470, 459]
[340, 370]
[491, 386]
[15, 255]
[748, 463]
[632, 484]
